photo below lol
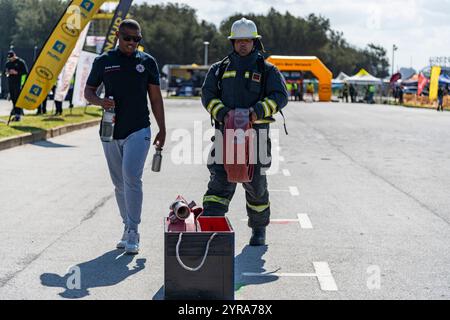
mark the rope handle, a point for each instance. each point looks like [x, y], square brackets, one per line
[204, 257]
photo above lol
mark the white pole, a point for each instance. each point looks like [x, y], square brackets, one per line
[206, 43]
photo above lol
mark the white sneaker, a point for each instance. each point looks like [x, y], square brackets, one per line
[132, 246]
[123, 242]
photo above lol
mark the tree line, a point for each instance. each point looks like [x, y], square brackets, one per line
[173, 34]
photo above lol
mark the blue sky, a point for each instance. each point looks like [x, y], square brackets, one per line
[419, 28]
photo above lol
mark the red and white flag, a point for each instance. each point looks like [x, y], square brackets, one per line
[395, 78]
[423, 81]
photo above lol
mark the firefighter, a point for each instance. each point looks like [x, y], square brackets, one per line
[243, 80]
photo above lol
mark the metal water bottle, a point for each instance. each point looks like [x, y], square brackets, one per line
[108, 120]
[157, 159]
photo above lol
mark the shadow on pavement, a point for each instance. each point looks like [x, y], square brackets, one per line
[49, 144]
[250, 261]
[104, 271]
[27, 129]
[159, 295]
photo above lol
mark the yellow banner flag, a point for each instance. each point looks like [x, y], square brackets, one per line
[434, 83]
[56, 51]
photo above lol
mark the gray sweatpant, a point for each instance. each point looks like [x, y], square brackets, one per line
[126, 159]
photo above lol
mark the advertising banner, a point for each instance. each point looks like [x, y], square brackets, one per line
[434, 83]
[84, 68]
[120, 15]
[68, 72]
[422, 83]
[56, 51]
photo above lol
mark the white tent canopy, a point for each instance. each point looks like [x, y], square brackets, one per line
[341, 78]
[363, 78]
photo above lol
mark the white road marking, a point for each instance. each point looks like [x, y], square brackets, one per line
[294, 191]
[281, 158]
[277, 220]
[269, 172]
[325, 277]
[322, 273]
[305, 222]
[286, 173]
[284, 275]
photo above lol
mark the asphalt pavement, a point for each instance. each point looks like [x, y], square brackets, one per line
[360, 208]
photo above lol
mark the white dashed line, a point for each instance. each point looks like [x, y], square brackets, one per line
[305, 222]
[281, 158]
[286, 173]
[324, 276]
[277, 220]
[322, 273]
[294, 191]
[284, 275]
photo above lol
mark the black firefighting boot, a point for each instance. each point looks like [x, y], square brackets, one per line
[258, 237]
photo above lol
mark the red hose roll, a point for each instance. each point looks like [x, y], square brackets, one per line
[238, 151]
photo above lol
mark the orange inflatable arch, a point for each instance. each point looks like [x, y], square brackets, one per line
[312, 64]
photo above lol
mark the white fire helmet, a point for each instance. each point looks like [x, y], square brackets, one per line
[244, 29]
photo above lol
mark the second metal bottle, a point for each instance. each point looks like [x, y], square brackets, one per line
[157, 160]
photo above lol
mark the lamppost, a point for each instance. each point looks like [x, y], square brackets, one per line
[35, 53]
[394, 48]
[206, 43]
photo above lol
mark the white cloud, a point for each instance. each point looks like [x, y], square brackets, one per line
[420, 28]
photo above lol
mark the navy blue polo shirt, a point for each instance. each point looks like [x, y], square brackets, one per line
[126, 78]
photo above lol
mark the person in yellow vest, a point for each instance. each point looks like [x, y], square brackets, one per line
[310, 91]
[294, 90]
[345, 92]
[289, 89]
[441, 94]
[371, 94]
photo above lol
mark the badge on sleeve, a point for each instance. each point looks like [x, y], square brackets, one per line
[256, 77]
[140, 68]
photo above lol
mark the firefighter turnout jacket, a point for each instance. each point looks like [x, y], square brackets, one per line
[244, 82]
